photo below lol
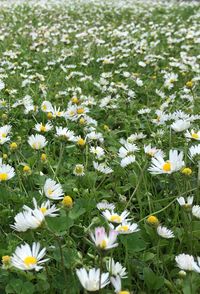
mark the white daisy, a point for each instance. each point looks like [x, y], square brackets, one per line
[53, 190]
[103, 240]
[90, 280]
[27, 258]
[114, 217]
[37, 141]
[193, 135]
[160, 166]
[116, 269]
[180, 125]
[164, 232]
[187, 203]
[7, 172]
[186, 262]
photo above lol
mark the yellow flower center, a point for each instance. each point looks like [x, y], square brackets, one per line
[195, 136]
[4, 135]
[80, 110]
[30, 260]
[124, 292]
[167, 166]
[6, 259]
[116, 218]
[152, 220]
[44, 107]
[123, 228]
[74, 100]
[67, 201]
[81, 142]
[103, 244]
[79, 169]
[43, 210]
[42, 128]
[186, 171]
[26, 168]
[3, 177]
[71, 113]
[50, 191]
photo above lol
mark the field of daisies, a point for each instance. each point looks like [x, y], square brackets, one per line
[99, 147]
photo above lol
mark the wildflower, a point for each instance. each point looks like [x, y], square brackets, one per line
[180, 125]
[7, 172]
[79, 170]
[43, 157]
[186, 171]
[186, 262]
[28, 219]
[46, 208]
[105, 205]
[114, 217]
[98, 152]
[116, 282]
[13, 146]
[153, 220]
[6, 261]
[37, 141]
[194, 151]
[80, 141]
[193, 135]
[90, 279]
[164, 232]
[160, 166]
[65, 133]
[189, 84]
[152, 151]
[53, 190]
[46, 106]
[4, 132]
[196, 211]
[102, 167]
[127, 228]
[186, 204]
[103, 240]
[43, 128]
[116, 269]
[29, 258]
[27, 169]
[67, 201]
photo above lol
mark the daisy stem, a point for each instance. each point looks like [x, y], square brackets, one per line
[100, 266]
[198, 177]
[59, 160]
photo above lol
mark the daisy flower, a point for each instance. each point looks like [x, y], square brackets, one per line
[164, 232]
[114, 217]
[28, 219]
[105, 205]
[102, 167]
[7, 172]
[196, 211]
[90, 279]
[46, 208]
[103, 240]
[193, 135]
[29, 258]
[186, 262]
[79, 170]
[53, 190]
[127, 228]
[65, 133]
[46, 106]
[160, 166]
[187, 203]
[43, 128]
[37, 141]
[194, 151]
[97, 151]
[115, 268]
[180, 125]
[117, 284]
[152, 151]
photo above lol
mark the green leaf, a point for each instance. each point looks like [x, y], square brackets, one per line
[59, 224]
[152, 281]
[133, 242]
[76, 212]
